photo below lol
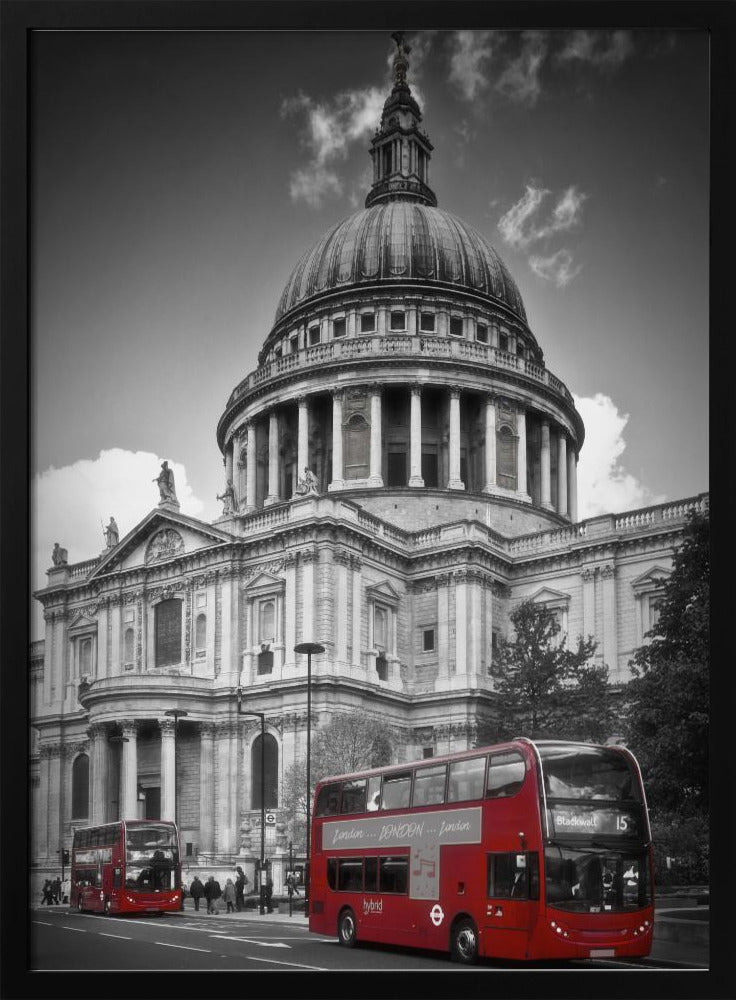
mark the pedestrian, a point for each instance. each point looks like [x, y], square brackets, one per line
[56, 890]
[268, 892]
[196, 891]
[291, 885]
[212, 892]
[48, 895]
[241, 882]
[229, 896]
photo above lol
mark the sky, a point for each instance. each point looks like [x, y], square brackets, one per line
[178, 177]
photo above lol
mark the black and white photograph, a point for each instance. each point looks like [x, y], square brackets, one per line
[369, 503]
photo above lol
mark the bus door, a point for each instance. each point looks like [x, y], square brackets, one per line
[385, 897]
[512, 906]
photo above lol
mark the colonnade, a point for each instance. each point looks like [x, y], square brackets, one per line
[564, 502]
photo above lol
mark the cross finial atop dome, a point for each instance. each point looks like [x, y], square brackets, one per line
[399, 150]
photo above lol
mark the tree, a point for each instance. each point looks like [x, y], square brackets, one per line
[668, 699]
[349, 742]
[546, 689]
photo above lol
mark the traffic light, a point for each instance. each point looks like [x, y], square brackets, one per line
[65, 856]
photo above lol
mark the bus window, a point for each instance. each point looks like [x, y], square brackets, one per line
[513, 876]
[396, 790]
[350, 874]
[429, 785]
[505, 775]
[374, 793]
[588, 773]
[353, 796]
[466, 779]
[371, 875]
[332, 873]
[394, 874]
[328, 800]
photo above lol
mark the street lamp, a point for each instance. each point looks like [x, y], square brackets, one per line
[308, 648]
[262, 717]
[175, 714]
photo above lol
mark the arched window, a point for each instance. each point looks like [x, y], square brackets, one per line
[168, 632]
[80, 787]
[200, 635]
[85, 657]
[266, 621]
[506, 458]
[270, 773]
[129, 647]
[356, 440]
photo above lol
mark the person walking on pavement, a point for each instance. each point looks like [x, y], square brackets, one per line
[196, 891]
[212, 892]
[56, 890]
[291, 886]
[268, 892]
[48, 896]
[229, 896]
[240, 883]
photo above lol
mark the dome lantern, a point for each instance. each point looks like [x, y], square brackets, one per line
[399, 150]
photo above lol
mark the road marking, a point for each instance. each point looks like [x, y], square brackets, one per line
[44, 922]
[245, 940]
[121, 936]
[186, 947]
[292, 965]
[78, 929]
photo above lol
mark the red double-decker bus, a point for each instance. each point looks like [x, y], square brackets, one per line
[131, 866]
[524, 850]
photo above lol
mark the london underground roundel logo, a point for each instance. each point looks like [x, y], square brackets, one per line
[436, 915]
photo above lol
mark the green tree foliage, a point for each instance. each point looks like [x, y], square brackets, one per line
[667, 701]
[545, 689]
[349, 742]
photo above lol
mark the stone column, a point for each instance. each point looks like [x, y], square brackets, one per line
[41, 821]
[55, 801]
[561, 473]
[490, 444]
[116, 620]
[206, 787]
[572, 484]
[357, 617]
[302, 448]
[289, 607]
[229, 460]
[376, 479]
[521, 486]
[129, 771]
[475, 623]
[340, 584]
[337, 470]
[226, 624]
[309, 561]
[48, 658]
[610, 625]
[443, 629]
[588, 576]
[168, 768]
[224, 788]
[273, 459]
[99, 759]
[461, 622]
[415, 451]
[546, 468]
[455, 482]
[251, 467]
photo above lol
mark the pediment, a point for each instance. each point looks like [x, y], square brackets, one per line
[547, 595]
[82, 623]
[159, 538]
[383, 591]
[264, 582]
[654, 578]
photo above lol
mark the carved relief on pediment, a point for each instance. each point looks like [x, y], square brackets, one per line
[163, 545]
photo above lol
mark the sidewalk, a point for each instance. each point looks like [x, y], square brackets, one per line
[251, 915]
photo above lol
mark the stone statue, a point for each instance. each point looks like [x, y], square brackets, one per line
[401, 61]
[165, 480]
[59, 555]
[228, 498]
[307, 483]
[112, 535]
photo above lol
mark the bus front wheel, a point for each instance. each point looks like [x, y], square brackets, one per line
[346, 929]
[464, 942]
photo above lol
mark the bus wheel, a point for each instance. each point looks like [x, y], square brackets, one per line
[464, 942]
[346, 928]
[108, 908]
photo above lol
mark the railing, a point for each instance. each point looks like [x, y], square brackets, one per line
[408, 345]
[83, 569]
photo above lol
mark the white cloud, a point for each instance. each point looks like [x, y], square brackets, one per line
[470, 54]
[558, 267]
[604, 485]
[520, 226]
[520, 80]
[70, 505]
[601, 49]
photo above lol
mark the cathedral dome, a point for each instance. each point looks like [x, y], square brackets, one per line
[401, 241]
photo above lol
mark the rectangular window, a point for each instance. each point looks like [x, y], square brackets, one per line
[394, 874]
[367, 322]
[513, 876]
[456, 326]
[481, 333]
[466, 779]
[427, 752]
[426, 323]
[314, 335]
[430, 473]
[294, 344]
[503, 342]
[338, 328]
[327, 800]
[429, 785]
[374, 793]
[332, 873]
[505, 775]
[380, 627]
[370, 876]
[396, 790]
[396, 469]
[398, 320]
[353, 796]
[428, 640]
[190, 849]
[168, 632]
[350, 874]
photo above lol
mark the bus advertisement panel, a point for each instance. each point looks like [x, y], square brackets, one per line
[131, 866]
[520, 851]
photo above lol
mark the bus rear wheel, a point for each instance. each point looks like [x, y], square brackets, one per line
[346, 934]
[464, 942]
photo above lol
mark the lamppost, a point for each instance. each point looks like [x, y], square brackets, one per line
[175, 714]
[308, 648]
[262, 717]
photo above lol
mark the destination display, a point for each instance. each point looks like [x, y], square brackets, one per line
[593, 821]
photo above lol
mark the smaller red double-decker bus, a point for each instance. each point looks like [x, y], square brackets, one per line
[524, 850]
[131, 866]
